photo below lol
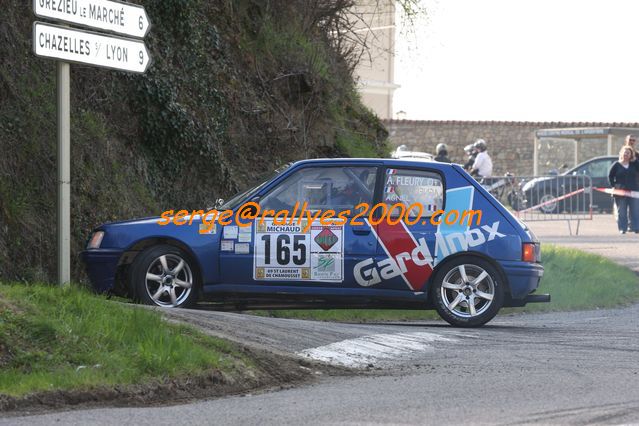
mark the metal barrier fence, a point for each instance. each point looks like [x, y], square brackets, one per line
[544, 198]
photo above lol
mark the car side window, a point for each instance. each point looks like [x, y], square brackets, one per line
[323, 188]
[596, 169]
[415, 189]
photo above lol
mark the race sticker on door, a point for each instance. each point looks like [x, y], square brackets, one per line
[287, 253]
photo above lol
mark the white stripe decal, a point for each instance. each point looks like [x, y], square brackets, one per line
[377, 349]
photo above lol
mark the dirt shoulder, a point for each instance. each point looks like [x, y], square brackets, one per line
[270, 372]
[66, 348]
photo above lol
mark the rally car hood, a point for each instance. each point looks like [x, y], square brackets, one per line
[122, 234]
[140, 221]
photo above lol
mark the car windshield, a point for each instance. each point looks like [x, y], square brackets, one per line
[254, 187]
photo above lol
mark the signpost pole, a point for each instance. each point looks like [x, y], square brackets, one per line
[64, 172]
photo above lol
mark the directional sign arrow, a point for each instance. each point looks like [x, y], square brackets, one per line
[122, 18]
[86, 47]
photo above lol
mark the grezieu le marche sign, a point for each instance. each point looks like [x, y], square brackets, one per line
[86, 47]
[122, 18]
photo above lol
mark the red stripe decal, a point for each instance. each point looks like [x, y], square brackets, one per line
[400, 245]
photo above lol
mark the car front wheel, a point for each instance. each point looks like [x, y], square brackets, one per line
[549, 206]
[164, 275]
[468, 292]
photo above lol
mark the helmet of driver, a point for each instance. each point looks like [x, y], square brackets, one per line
[441, 147]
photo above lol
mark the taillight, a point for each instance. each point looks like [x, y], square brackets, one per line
[528, 252]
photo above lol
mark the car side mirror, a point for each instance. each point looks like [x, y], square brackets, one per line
[254, 210]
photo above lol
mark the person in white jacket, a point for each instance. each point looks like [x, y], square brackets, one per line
[483, 165]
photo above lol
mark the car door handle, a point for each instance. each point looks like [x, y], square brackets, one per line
[361, 231]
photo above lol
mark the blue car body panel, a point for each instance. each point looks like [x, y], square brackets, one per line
[365, 248]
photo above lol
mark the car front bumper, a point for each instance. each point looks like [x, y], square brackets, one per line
[101, 266]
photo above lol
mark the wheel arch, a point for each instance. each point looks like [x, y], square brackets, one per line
[122, 284]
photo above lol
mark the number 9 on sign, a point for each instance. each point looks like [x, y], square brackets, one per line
[141, 57]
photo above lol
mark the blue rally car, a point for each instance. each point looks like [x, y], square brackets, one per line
[423, 260]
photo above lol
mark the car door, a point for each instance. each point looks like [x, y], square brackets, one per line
[597, 170]
[300, 248]
[407, 238]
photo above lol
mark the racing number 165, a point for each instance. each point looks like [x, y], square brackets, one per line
[283, 250]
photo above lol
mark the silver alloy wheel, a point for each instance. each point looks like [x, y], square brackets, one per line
[467, 290]
[169, 280]
[548, 208]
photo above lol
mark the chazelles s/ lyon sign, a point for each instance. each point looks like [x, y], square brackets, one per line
[86, 47]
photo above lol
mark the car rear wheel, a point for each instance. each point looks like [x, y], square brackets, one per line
[164, 276]
[468, 292]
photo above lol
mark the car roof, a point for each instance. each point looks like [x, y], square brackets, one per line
[419, 162]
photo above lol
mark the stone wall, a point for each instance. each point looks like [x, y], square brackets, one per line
[510, 144]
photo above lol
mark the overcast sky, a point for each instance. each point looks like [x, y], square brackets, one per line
[521, 60]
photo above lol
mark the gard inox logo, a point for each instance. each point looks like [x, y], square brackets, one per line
[326, 239]
[460, 241]
[368, 273]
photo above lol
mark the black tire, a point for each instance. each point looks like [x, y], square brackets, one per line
[459, 313]
[549, 208]
[165, 282]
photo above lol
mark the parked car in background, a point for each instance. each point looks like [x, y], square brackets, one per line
[594, 172]
[402, 153]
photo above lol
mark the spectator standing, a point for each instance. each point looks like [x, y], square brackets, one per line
[623, 175]
[631, 141]
[483, 164]
[442, 153]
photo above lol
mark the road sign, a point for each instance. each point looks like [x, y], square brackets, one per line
[86, 47]
[122, 18]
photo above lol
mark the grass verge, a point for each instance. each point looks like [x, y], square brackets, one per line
[579, 280]
[63, 339]
[575, 280]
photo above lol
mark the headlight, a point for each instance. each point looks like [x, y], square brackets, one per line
[96, 240]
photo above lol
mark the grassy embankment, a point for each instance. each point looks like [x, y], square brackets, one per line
[575, 280]
[57, 339]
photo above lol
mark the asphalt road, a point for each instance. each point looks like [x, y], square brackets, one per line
[580, 367]
[554, 368]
